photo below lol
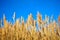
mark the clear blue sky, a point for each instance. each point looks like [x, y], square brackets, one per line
[25, 7]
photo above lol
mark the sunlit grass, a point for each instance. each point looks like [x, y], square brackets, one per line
[28, 30]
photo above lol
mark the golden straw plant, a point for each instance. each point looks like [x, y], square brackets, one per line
[31, 29]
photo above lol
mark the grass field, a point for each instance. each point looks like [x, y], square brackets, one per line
[28, 30]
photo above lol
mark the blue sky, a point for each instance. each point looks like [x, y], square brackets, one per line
[25, 7]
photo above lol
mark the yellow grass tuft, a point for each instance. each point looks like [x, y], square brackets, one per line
[29, 30]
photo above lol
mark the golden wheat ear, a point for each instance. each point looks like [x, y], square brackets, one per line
[59, 19]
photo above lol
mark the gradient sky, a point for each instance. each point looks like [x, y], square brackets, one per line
[25, 7]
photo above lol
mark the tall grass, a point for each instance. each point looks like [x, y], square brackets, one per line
[31, 29]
